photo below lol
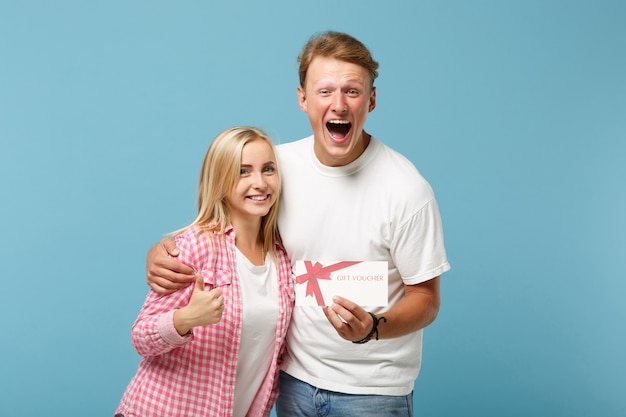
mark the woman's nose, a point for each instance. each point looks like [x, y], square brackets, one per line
[259, 180]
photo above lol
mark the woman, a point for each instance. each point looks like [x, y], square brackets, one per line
[212, 349]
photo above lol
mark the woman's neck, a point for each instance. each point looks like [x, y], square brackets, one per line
[248, 241]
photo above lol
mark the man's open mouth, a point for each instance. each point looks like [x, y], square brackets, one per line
[338, 128]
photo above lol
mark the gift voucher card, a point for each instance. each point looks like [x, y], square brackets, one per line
[363, 282]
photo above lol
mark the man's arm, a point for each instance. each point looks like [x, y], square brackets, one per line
[165, 274]
[417, 309]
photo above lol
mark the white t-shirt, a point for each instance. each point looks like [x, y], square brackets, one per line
[259, 295]
[377, 208]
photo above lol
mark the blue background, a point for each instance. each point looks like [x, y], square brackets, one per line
[515, 111]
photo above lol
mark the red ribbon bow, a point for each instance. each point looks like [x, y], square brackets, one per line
[315, 272]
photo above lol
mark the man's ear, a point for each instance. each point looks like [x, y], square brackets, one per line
[372, 105]
[302, 99]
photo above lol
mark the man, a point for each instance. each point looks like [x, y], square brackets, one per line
[348, 196]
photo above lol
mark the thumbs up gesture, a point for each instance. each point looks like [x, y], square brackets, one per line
[204, 308]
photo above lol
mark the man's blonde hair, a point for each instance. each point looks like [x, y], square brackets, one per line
[339, 46]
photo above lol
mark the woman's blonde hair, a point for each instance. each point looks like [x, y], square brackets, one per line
[219, 174]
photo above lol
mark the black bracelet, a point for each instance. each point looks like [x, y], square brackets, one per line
[374, 331]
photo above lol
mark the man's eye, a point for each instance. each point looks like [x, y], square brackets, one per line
[353, 92]
[324, 92]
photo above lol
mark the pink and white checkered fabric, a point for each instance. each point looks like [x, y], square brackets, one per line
[194, 375]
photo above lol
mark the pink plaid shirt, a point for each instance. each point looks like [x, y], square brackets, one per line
[194, 375]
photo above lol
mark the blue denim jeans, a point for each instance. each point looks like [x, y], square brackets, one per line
[299, 399]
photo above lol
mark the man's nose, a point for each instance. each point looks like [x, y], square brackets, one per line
[339, 103]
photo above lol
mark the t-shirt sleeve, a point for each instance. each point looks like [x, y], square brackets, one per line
[418, 247]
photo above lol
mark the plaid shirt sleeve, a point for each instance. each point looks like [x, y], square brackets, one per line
[153, 332]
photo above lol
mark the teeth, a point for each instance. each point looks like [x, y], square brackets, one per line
[339, 122]
[258, 197]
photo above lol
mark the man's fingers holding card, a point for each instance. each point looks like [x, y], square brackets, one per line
[350, 321]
